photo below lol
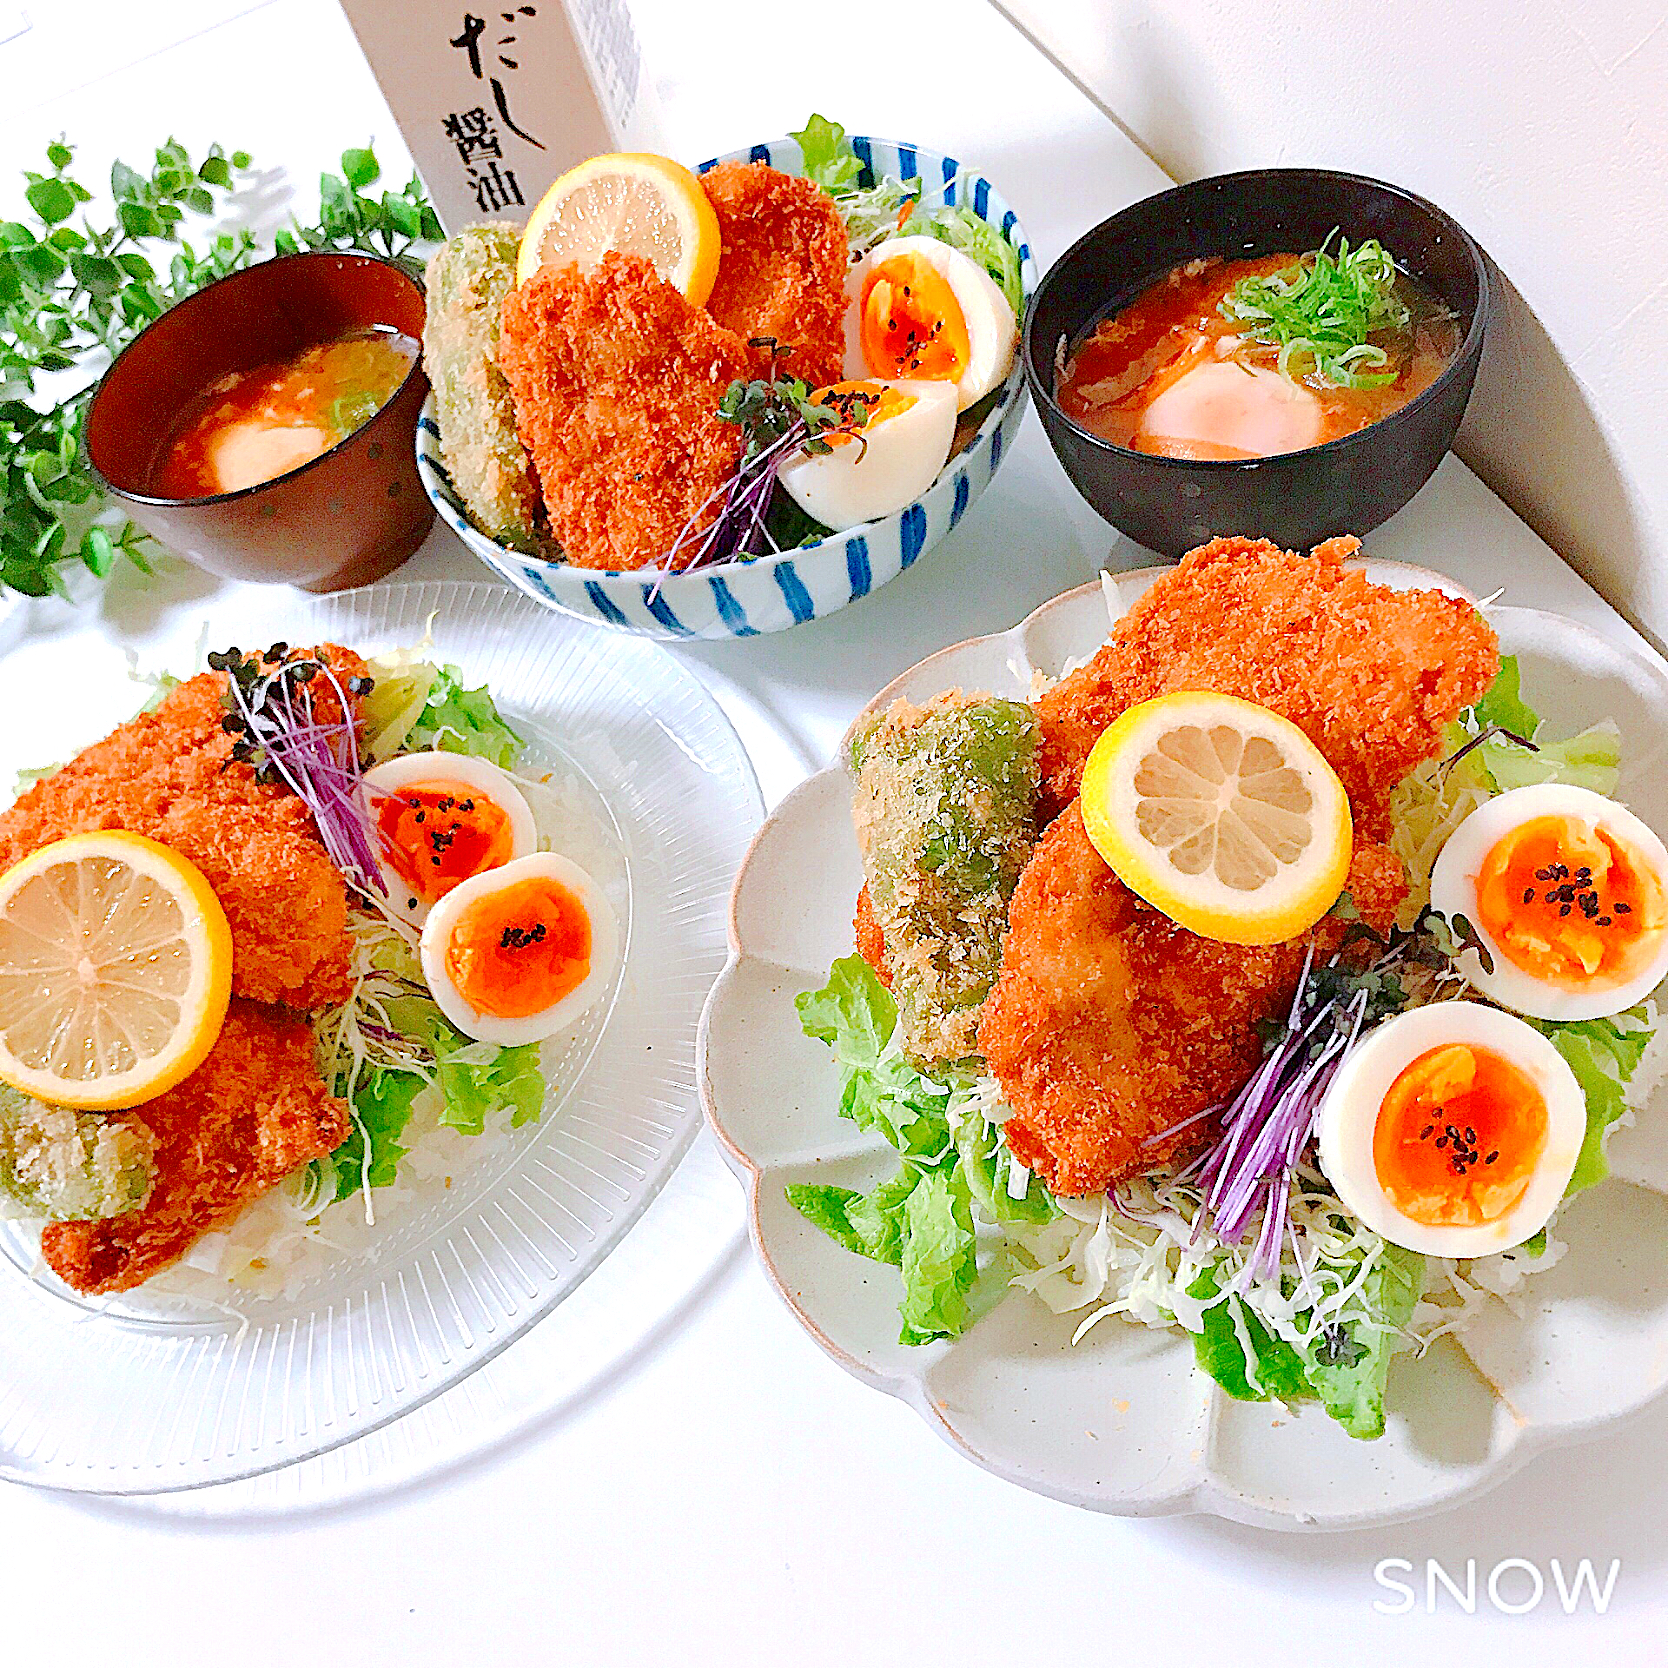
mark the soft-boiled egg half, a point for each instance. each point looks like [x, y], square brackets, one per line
[1220, 408]
[919, 311]
[893, 440]
[1452, 1129]
[1567, 890]
[519, 953]
[441, 819]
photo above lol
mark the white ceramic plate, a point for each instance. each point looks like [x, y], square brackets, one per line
[1123, 1422]
[151, 1394]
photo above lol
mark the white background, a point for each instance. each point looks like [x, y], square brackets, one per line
[1541, 124]
[729, 1496]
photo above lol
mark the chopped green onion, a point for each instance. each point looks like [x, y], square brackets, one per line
[1323, 313]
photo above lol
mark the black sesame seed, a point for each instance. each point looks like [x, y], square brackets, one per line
[1624, 909]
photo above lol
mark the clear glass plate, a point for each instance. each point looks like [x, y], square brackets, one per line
[155, 1392]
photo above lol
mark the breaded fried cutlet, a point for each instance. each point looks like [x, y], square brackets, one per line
[783, 271]
[255, 1110]
[1110, 1024]
[170, 774]
[617, 381]
[1368, 673]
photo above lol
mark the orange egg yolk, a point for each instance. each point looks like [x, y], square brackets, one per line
[1458, 1136]
[859, 406]
[435, 835]
[520, 949]
[1569, 902]
[911, 324]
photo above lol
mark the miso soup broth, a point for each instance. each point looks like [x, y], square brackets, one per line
[252, 426]
[1230, 359]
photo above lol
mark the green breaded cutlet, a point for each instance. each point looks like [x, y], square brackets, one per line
[468, 277]
[946, 817]
[70, 1166]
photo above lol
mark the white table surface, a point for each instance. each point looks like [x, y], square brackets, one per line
[729, 1495]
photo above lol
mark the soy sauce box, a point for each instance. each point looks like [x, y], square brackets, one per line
[496, 101]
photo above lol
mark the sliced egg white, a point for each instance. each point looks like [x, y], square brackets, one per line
[1454, 892]
[974, 305]
[1348, 1123]
[453, 915]
[886, 465]
[472, 779]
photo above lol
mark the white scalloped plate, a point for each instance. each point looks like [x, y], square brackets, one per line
[1122, 1422]
[149, 1394]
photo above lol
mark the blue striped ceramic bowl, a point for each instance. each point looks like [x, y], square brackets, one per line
[745, 599]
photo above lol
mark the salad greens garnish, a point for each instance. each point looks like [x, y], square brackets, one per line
[1604, 1054]
[389, 1044]
[893, 208]
[1323, 313]
[921, 1218]
[416, 705]
[79, 279]
[830, 160]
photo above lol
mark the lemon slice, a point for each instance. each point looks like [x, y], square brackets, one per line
[1220, 813]
[115, 971]
[636, 203]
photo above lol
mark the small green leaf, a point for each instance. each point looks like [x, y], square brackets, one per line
[140, 219]
[98, 551]
[59, 154]
[125, 181]
[51, 199]
[360, 167]
[405, 216]
[215, 171]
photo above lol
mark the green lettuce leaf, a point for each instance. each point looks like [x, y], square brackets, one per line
[472, 1088]
[1604, 1054]
[1345, 1370]
[985, 1161]
[1504, 704]
[853, 1013]
[381, 1109]
[939, 1260]
[830, 160]
[459, 720]
[871, 1224]
[1588, 760]
[921, 1218]
[1348, 1374]
[1272, 1369]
